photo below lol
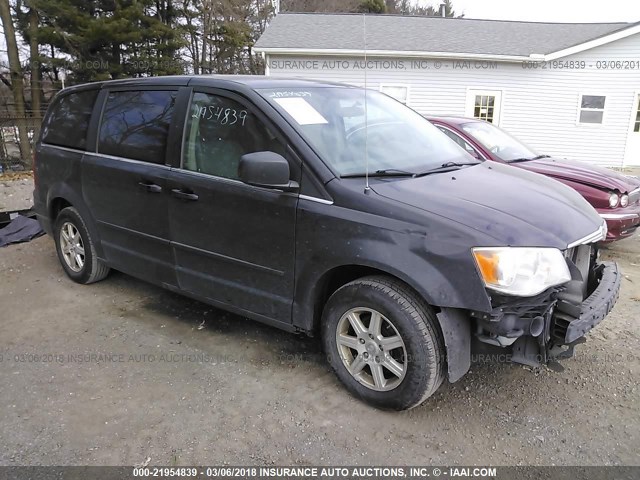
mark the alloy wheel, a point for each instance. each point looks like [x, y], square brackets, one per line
[72, 247]
[371, 349]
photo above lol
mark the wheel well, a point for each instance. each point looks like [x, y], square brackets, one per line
[57, 205]
[336, 278]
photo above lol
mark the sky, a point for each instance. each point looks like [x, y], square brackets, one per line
[548, 10]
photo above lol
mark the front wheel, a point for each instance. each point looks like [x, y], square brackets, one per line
[383, 342]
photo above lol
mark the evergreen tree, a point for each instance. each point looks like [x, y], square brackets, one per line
[372, 6]
[106, 39]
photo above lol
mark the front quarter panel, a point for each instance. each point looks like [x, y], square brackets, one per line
[434, 258]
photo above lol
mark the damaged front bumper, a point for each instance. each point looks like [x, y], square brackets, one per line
[570, 326]
[566, 314]
[537, 330]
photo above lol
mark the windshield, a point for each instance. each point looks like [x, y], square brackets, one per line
[332, 120]
[499, 142]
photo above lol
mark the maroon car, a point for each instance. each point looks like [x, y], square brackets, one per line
[615, 196]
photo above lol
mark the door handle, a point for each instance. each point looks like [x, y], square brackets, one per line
[181, 194]
[150, 187]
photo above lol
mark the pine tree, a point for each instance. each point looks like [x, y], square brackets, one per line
[372, 6]
[106, 39]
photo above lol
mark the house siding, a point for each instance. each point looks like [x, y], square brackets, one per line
[539, 106]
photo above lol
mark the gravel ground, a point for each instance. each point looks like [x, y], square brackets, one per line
[16, 192]
[122, 372]
[176, 382]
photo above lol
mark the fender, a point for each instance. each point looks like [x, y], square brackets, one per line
[439, 269]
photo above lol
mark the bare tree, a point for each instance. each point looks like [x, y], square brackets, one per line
[34, 57]
[17, 82]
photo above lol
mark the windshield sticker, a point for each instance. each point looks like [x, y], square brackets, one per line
[301, 111]
[223, 116]
[289, 94]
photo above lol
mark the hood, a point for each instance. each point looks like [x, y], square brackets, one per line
[509, 205]
[580, 172]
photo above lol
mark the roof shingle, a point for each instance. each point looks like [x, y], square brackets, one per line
[313, 31]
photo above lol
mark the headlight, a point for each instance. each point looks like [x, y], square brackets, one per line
[624, 200]
[613, 200]
[521, 271]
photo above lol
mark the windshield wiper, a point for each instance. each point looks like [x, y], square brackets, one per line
[394, 172]
[458, 164]
[388, 172]
[526, 159]
[446, 167]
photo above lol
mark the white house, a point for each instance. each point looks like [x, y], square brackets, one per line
[570, 90]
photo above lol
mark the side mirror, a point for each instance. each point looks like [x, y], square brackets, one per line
[266, 169]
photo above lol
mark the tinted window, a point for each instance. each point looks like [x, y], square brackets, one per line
[135, 124]
[69, 120]
[219, 131]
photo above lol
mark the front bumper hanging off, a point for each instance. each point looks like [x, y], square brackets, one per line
[570, 317]
[598, 305]
[536, 330]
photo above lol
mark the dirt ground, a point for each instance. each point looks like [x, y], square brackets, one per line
[121, 372]
[16, 191]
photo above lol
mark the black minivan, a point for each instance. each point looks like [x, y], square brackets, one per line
[324, 209]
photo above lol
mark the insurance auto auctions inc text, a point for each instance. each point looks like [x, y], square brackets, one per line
[381, 64]
[375, 472]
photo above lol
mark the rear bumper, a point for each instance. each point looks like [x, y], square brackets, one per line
[45, 223]
[598, 305]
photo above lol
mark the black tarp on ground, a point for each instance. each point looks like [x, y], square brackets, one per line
[21, 229]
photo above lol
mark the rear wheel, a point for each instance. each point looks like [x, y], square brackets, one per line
[75, 248]
[383, 342]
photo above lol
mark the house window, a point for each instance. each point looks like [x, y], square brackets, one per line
[636, 125]
[591, 108]
[484, 105]
[399, 92]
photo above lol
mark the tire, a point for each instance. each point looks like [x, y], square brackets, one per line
[368, 350]
[76, 249]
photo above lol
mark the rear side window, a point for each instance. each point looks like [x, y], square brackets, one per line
[136, 124]
[69, 120]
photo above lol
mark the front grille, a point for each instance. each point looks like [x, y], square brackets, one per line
[560, 325]
[634, 197]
